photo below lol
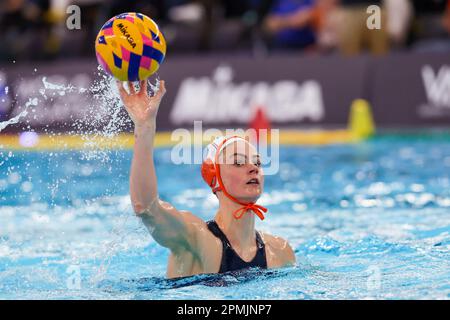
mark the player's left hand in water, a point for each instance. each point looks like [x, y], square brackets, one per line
[141, 107]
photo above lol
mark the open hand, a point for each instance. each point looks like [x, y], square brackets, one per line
[141, 107]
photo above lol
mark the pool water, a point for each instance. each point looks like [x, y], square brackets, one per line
[370, 220]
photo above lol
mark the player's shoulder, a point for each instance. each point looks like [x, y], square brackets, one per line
[194, 225]
[275, 242]
[280, 247]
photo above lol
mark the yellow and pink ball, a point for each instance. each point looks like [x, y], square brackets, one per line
[130, 47]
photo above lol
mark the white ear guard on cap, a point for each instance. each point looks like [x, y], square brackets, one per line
[211, 174]
[208, 171]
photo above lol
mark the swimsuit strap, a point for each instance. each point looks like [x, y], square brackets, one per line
[231, 261]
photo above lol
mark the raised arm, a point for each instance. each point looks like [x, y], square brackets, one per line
[169, 227]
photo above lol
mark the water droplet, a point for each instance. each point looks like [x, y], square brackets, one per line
[27, 186]
[14, 178]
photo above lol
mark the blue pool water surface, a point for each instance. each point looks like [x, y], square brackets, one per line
[370, 220]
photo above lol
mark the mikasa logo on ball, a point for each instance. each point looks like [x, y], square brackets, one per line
[130, 47]
[124, 31]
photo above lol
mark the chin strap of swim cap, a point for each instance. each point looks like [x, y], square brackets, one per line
[256, 208]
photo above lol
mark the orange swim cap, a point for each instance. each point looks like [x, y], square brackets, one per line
[211, 174]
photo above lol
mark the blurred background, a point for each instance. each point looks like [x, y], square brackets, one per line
[301, 62]
[36, 29]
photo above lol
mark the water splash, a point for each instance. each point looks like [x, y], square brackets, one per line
[62, 89]
[102, 119]
[24, 113]
[119, 235]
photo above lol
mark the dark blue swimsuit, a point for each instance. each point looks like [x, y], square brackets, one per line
[230, 259]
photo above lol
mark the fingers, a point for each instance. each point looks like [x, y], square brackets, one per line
[131, 87]
[162, 86]
[124, 95]
[162, 89]
[143, 87]
[122, 91]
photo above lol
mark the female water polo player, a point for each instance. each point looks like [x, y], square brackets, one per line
[232, 169]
